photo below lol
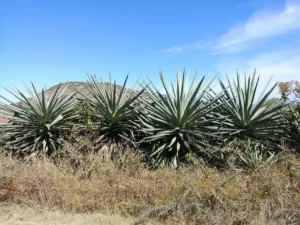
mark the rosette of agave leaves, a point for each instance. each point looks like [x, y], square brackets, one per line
[247, 116]
[115, 110]
[114, 107]
[37, 122]
[190, 117]
[181, 121]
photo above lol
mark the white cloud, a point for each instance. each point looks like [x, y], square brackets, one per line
[174, 49]
[282, 65]
[261, 25]
[282, 69]
[196, 45]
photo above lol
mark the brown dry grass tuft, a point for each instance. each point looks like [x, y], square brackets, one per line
[84, 183]
[15, 215]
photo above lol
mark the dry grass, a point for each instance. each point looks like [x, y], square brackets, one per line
[200, 195]
[15, 215]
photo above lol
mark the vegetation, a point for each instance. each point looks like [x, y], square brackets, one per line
[178, 124]
[83, 183]
[37, 123]
[234, 151]
[114, 110]
[290, 91]
[293, 126]
[271, 101]
[248, 116]
[187, 123]
[86, 115]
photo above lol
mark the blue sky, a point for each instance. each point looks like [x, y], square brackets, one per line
[48, 42]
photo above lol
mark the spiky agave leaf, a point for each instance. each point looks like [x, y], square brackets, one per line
[292, 117]
[114, 108]
[247, 118]
[37, 122]
[177, 122]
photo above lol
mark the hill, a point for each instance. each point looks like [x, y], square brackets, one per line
[71, 87]
[81, 87]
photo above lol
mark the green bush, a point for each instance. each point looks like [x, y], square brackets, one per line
[86, 114]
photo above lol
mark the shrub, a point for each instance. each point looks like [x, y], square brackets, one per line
[86, 115]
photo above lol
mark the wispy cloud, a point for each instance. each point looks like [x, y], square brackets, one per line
[261, 25]
[282, 68]
[194, 46]
[283, 65]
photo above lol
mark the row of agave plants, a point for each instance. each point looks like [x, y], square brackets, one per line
[169, 124]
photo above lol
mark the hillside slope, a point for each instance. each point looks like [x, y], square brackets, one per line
[71, 87]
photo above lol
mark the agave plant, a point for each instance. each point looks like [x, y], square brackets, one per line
[36, 123]
[254, 155]
[114, 108]
[292, 117]
[180, 122]
[250, 119]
